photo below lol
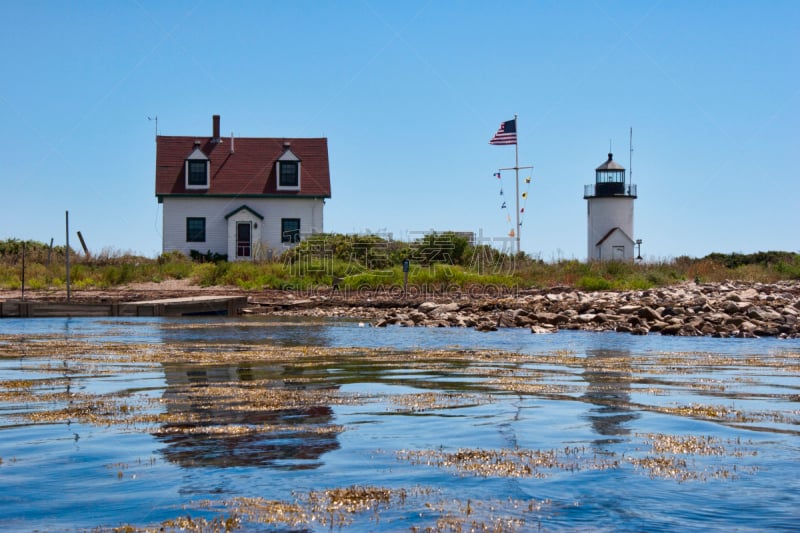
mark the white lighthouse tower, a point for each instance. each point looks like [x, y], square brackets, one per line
[610, 214]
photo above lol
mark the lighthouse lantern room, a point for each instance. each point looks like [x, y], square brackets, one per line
[610, 214]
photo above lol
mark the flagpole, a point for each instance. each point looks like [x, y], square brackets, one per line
[516, 170]
[501, 140]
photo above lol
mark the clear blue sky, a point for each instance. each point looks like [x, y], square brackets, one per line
[409, 94]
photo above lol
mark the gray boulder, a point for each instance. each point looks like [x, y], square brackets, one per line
[648, 313]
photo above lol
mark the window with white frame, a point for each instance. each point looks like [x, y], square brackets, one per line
[195, 229]
[289, 174]
[290, 230]
[197, 169]
[288, 170]
[197, 173]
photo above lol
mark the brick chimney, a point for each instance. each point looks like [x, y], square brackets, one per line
[215, 137]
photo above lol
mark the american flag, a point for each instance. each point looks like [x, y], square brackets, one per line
[507, 134]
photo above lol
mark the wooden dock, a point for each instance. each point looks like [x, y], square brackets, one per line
[189, 306]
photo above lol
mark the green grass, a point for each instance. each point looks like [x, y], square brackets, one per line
[593, 283]
[369, 263]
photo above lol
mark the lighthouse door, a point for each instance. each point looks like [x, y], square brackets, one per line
[618, 253]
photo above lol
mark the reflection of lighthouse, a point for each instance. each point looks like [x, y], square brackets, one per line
[608, 386]
[610, 213]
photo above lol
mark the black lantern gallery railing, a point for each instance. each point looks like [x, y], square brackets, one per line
[599, 190]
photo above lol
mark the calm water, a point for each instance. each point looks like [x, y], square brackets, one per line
[637, 433]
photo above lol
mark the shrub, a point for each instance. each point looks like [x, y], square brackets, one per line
[639, 283]
[593, 283]
[117, 274]
[9, 278]
[208, 274]
[789, 269]
[208, 257]
[171, 257]
[707, 270]
[446, 248]
[175, 270]
[617, 269]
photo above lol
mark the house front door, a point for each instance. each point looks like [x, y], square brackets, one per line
[243, 239]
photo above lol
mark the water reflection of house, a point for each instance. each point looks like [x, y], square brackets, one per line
[608, 377]
[208, 432]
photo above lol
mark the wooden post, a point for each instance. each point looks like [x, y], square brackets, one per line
[83, 243]
[67, 251]
[406, 264]
[22, 297]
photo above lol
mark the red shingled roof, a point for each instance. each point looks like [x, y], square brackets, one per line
[249, 171]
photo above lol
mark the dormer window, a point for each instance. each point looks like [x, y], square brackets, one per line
[288, 170]
[289, 174]
[197, 169]
[197, 173]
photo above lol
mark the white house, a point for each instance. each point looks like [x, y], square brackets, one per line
[246, 198]
[610, 213]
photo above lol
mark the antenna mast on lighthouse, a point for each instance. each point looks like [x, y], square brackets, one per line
[630, 159]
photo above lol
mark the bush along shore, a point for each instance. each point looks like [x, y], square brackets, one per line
[731, 309]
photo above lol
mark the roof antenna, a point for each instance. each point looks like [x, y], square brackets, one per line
[156, 121]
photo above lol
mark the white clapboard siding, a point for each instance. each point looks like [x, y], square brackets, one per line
[605, 214]
[177, 209]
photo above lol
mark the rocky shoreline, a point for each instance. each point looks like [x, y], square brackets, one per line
[717, 310]
[730, 309]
